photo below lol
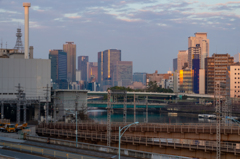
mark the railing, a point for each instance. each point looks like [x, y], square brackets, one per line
[101, 148]
[138, 139]
[156, 127]
[43, 151]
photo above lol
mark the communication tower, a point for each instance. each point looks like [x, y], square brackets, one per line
[19, 46]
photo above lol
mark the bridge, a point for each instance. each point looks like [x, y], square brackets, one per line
[121, 104]
[156, 94]
[190, 140]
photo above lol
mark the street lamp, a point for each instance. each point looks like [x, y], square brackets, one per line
[120, 135]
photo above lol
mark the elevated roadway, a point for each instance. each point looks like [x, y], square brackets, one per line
[156, 94]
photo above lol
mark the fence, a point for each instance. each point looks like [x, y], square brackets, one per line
[101, 148]
[43, 151]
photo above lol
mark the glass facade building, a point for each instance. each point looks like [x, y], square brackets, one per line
[58, 68]
[195, 68]
[106, 61]
[140, 77]
[82, 66]
[122, 74]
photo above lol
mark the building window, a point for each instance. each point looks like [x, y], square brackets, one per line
[235, 73]
[235, 86]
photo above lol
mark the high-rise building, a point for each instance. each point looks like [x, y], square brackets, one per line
[233, 80]
[237, 57]
[195, 69]
[122, 73]
[70, 49]
[78, 75]
[175, 65]
[82, 66]
[185, 80]
[198, 45]
[92, 71]
[58, 68]
[140, 77]
[215, 71]
[106, 61]
[182, 59]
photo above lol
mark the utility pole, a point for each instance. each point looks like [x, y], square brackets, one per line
[76, 105]
[39, 109]
[47, 104]
[134, 100]
[125, 107]
[109, 109]
[19, 99]
[54, 107]
[2, 110]
[218, 120]
[24, 111]
[146, 109]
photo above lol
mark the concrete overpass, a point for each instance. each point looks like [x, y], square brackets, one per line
[156, 94]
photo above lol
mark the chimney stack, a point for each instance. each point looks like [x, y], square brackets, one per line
[26, 6]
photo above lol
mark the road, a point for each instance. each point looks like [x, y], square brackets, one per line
[18, 155]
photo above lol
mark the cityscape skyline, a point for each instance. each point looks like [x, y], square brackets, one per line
[137, 37]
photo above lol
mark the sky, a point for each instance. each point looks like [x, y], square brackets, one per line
[148, 32]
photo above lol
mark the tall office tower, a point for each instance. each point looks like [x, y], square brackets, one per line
[237, 57]
[122, 73]
[140, 77]
[70, 49]
[198, 45]
[182, 58]
[58, 68]
[195, 69]
[106, 61]
[92, 71]
[82, 66]
[215, 71]
[175, 65]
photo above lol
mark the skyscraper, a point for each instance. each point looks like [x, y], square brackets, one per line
[106, 61]
[92, 71]
[70, 49]
[216, 71]
[182, 58]
[195, 69]
[58, 68]
[122, 73]
[82, 66]
[198, 45]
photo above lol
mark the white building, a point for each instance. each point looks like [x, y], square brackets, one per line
[67, 100]
[78, 75]
[33, 75]
[175, 82]
[237, 57]
[233, 80]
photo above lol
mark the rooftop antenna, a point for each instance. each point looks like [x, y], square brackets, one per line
[6, 45]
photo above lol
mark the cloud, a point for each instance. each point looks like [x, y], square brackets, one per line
[72, 15]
